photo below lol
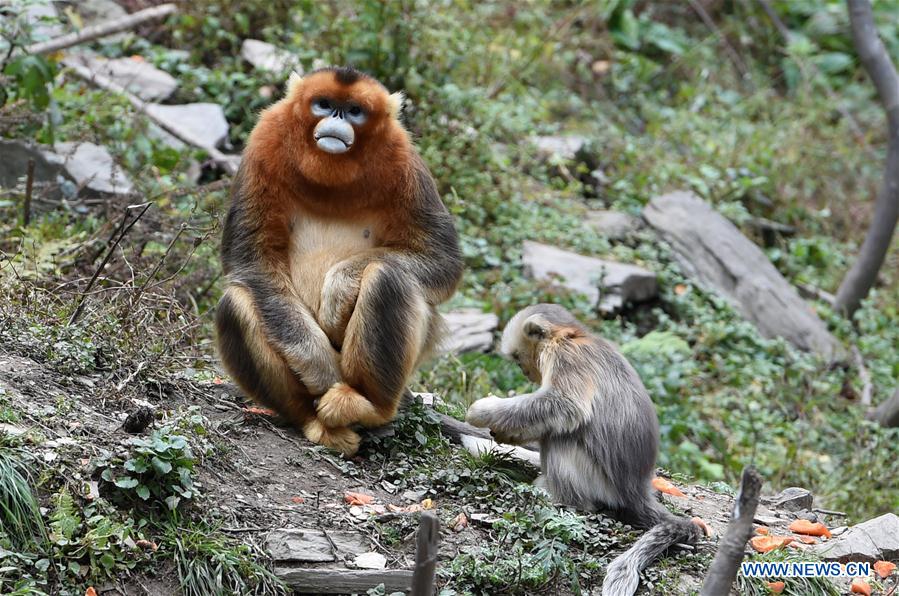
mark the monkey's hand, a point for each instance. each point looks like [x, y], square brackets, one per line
[338, 300]
[483, 412]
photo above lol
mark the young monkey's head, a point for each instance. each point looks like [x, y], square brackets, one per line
[341, 122]
[533, 331]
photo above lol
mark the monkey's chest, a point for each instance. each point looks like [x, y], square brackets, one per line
[316, 245]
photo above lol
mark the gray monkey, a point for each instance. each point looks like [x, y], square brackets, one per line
[597, 429]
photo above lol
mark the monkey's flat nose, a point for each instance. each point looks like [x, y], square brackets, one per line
[334, 135]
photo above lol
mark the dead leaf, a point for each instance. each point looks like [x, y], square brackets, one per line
[664, 486]
[297, 500]
[601, 67]
[138, 58]
[803, 526]
[680, 289]
[217, 381]
[90, 591]
[427, 504]
[259, 411]
[146, 545]
[459, 523]
[776, 587]
[884, 568]
[353, 498]
[761, 531]
[765, 544]
[860, 586]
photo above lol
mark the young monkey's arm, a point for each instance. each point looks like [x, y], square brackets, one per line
[527, 417]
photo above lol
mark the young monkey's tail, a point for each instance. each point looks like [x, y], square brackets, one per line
[623, 574]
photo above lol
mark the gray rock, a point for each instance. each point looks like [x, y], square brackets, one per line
[565, 147]
[873, 540]
[97, 11]
[793, 498]
[269, 58]
[614, 225]
[312, 546]
[204, 122]
[137, 76]
[713, 251]
[44, 21]
[48, 173]
[91, 167]
[370, 560]
[607, 284]
[469, 330]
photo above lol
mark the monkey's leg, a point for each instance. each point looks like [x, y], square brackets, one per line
[263, 374]
[385, 336]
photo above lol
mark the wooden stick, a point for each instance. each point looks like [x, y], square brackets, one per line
[723, 569]
[102, 29]
[29, 186]
[141, 106]
[864, 377]
[426, 555]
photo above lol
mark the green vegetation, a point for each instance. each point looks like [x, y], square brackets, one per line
[665, 105]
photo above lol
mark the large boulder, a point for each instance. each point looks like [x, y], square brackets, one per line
[469, 330]
[84, 166]
[613, 225]
[874, 540]
[203, 123]
[714, 252]
[268, 58]
[608, 284]
[137, 76]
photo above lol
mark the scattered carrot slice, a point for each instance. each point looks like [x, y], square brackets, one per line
[807, 539]
[90, 591]
[803, 526]
[765, 544]
[259, 411]
[706, 528]
[357, 498]
[664, 486]
[884, 568]
[776, 587]
[860, 586]
[761, 531]
[297, 500]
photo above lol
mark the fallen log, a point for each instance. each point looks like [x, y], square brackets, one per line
[343, 581]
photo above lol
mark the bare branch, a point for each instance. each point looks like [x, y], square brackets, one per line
[867, 388]
[723, 569]
[102, 29]
[863, 274]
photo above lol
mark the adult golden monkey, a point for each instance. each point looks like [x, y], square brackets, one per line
[597, 428]
[337, 250]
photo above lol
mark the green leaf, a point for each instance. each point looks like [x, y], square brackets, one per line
[162, 467]
[107, 560]
[172, 502]
[143, 492]
[126, 482]
[421, 438]
[136, 465]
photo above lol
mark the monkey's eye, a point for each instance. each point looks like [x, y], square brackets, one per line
[355, 114]
[322, 107]
[355, 111]
[323, 103]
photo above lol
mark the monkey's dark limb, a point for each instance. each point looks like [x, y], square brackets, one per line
[426, 555]
[727, 560]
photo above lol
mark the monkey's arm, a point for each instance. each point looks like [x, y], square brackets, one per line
[527, 417]
[256, 263]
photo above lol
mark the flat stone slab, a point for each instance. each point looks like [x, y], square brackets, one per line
[620, 283]
[267, 57]
[313, 546]
[91, 167]
[343, 581]
[874, 540]
[714, 252]
[137, 76]
[469, 330]
[613, 225]
[204, 122]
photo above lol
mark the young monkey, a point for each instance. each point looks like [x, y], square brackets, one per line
[597, 429]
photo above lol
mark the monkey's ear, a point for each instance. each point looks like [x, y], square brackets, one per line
[294, 82]
[395, 104]
[535, 327]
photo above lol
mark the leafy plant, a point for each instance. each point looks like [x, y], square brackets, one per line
[21, 524]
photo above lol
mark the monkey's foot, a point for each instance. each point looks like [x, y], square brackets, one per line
[342, 406]
[343, 439]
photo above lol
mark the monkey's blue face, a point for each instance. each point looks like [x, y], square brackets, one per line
[335, 132]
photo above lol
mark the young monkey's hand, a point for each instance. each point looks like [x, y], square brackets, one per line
[481, 412]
